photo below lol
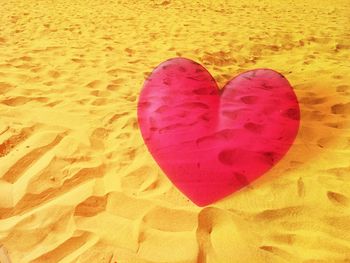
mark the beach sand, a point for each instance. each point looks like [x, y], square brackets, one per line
[77, 183]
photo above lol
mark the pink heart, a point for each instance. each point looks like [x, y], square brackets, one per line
[209, 142]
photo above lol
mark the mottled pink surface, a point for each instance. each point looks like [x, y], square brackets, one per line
[211, 143]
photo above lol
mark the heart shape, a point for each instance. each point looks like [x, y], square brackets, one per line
[211, 143]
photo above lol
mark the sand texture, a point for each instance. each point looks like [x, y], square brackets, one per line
[77, 183]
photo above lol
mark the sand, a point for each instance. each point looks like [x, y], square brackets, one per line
[77, 183]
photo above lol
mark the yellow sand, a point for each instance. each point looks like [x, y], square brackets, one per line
[76, 181]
